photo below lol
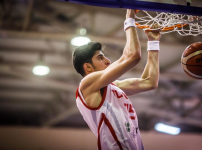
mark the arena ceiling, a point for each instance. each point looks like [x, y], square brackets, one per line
[33, 29]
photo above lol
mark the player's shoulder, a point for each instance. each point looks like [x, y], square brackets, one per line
[86, 82]
[90, 80]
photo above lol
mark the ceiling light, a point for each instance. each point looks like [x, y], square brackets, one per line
[81, 40]
[41, 70]
[167, 129]
[82, 31]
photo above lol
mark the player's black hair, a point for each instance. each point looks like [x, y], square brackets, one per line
[83, 54]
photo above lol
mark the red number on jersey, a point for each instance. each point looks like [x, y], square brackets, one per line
[119, 96]
[130, 110]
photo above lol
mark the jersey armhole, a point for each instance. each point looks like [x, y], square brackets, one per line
[79, 94]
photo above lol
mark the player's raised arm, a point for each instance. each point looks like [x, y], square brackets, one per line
[102, 74]
[150, 76]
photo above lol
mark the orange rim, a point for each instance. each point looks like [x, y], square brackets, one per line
[165, 28]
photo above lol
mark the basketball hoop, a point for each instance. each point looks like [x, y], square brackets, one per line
[170, 22]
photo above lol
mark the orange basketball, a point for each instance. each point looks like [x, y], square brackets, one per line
[191, 60]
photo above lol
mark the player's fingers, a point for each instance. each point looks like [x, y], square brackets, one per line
[156, 26]
[153, 26]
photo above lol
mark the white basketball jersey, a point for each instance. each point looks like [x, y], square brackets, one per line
[114, 121]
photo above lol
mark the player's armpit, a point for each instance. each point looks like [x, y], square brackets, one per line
[133, 86]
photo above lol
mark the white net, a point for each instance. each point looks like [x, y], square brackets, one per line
[170, 22]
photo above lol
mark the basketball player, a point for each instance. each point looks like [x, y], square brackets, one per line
[103, 100]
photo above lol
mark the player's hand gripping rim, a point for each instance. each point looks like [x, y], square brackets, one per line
[154, 34]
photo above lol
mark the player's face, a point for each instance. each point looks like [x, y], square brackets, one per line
[100, 62]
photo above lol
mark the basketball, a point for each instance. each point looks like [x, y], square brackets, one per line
[191, 60]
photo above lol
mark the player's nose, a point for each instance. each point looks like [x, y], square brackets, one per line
[107, 62]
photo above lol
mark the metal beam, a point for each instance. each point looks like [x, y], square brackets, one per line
[51, 17]
[32, 50]
[28, 15]
[60, 37]
[46, 82]
[7, 65]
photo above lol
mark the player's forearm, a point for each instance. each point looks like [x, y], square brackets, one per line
[132, 48]
[151, 71]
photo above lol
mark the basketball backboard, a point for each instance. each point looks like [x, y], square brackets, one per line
[191, 7]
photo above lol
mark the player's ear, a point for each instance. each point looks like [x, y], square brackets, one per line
[87, 67]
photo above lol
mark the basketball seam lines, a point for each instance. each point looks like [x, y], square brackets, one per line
[192, 53]
[190, 65]
[191, 58]
[187, 57]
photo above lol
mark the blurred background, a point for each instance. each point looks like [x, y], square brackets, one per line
[38, 109]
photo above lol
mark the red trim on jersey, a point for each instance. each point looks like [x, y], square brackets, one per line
[113, 84]
[77, 93]
[102, 101]
[103, 118]
[112, 132]
[98, 140]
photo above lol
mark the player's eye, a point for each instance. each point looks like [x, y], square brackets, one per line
[101, 58]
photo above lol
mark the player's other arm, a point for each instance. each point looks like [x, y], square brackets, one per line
[150, 76]
[130, 57]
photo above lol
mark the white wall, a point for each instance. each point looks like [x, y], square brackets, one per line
[20, 138]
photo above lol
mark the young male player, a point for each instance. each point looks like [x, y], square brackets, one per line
[102, 100]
